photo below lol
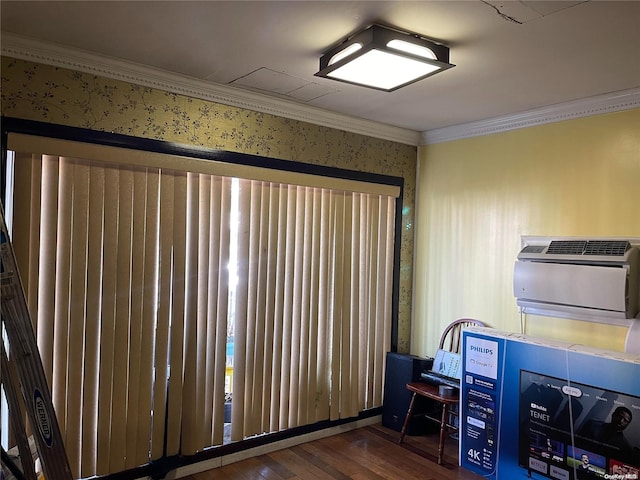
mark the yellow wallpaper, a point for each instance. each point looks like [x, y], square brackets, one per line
[55, 95]
[477, 196]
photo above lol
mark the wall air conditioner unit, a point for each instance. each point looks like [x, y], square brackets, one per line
[585, 279]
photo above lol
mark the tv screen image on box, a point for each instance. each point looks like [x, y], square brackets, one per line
[572, 431]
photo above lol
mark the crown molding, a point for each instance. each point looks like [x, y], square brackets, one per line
[606, 103]
[23, 48]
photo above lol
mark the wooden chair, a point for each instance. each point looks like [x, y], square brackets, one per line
[449, 340]
[452, 334]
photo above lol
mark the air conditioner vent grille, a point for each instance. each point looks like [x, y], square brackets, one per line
[534, 249]
[566, 247]
[616, 248]
[607, 247]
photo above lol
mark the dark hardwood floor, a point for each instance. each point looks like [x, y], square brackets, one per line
[368, 453]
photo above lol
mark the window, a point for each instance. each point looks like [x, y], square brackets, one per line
[126, 259]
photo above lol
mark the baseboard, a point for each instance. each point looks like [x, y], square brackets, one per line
[218, 462]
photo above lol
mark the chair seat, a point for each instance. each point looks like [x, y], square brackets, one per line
[432, 392]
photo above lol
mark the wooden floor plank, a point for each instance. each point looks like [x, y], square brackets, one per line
[324, 464]
[257, 468]
[368, 453]
[391, 461]
[354, 452]
[298, 465]
[332, 455]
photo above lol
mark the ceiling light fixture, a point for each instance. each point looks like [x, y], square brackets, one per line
[383, 58]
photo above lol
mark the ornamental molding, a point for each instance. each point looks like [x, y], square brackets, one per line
[63, 57]
[586, 107]
[35, 51]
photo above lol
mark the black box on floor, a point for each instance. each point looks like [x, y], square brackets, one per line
[402, 369]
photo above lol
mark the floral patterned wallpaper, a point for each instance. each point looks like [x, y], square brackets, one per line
[60, 96]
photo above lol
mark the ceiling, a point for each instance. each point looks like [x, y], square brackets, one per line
[510, 56]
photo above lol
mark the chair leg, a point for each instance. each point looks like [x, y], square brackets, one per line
[443, 430]
[407, 418]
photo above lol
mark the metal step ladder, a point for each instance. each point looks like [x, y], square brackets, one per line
[22, 371]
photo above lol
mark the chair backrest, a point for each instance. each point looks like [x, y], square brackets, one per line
[450, 339]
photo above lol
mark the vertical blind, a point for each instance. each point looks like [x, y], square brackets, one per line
[127, 271]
